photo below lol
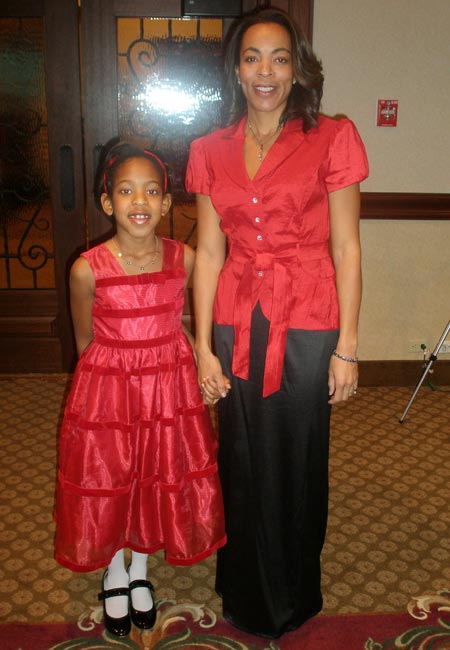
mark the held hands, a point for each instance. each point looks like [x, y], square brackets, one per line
[342, 380]
[213, 383]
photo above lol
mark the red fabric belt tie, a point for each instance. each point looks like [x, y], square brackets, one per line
[282, 301]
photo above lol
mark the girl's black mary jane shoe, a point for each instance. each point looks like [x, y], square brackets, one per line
[117, 626]
[143, 620]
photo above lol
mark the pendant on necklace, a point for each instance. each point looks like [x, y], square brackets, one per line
[141, 267]
[261, 143]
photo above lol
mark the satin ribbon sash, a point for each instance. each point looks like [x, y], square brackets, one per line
[281, 263]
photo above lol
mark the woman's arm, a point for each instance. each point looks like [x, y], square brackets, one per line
[346, 252]
[82, 291]
[209, 259]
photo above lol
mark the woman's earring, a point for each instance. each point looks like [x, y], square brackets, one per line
[239, 81]
[294, 81]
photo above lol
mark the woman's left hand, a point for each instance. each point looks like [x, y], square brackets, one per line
[342, 380]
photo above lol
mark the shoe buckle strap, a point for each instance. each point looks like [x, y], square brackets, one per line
[111, 593]
[140, 583]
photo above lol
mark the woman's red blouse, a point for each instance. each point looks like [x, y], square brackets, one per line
[277, 226]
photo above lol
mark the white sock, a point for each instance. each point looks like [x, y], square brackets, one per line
[116, 576]
[141, 597]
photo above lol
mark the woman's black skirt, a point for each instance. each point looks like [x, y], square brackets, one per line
[273, 460]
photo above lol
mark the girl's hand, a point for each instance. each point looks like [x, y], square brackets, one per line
[213, 383]
[342, 380]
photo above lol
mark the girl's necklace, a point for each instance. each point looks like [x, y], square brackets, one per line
[128, 262]
[262, 143]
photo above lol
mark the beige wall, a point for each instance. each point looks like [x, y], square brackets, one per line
[397, 49]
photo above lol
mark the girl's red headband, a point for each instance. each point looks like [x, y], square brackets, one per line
[161, 164]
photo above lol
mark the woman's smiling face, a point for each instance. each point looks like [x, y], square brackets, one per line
[265, 67]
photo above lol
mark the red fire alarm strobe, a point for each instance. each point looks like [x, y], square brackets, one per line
[387, 112]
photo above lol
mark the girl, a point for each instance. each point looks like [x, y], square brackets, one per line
[137, 459]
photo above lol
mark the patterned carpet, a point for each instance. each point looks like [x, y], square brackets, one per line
[388, 537]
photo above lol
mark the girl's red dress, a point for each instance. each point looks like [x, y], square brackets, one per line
[137, 457]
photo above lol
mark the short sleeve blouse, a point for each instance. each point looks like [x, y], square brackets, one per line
[277, 226]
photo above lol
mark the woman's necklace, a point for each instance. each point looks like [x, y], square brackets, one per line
[263, 142]
[128, 262]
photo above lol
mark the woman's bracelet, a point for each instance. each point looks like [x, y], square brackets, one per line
[344, 358]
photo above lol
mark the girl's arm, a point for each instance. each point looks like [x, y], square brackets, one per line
[189, 259]
[346, 252]
[82, 291]
[209, 259]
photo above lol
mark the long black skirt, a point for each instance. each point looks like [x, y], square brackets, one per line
[273, 462]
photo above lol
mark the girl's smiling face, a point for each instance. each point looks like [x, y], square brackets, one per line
[265, 67]
[138, 200]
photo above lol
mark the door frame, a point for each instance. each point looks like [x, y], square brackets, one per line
[35, 324]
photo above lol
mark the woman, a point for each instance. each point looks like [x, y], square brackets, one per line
[278, 271]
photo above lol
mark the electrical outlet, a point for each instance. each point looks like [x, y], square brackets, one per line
[416, 346]
[445, 348]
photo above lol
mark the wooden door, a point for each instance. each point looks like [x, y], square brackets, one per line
[41, 184]
[48, 213]
[141, 65]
